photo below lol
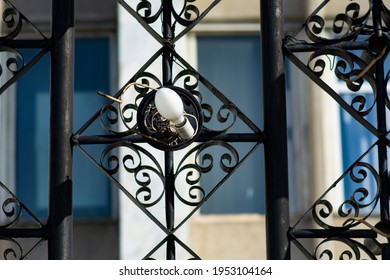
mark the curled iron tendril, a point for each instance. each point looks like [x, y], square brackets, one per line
[144, 9]
[346, 26]
[11, 249]
[347, 66]
[12, 211]
[359, 199]
[188, 12]
[220, 121]
[198, 161]
[228, 160]
[12, 22]
[14, 61]
[226, 115]
[130, 158]
[353, 250]
[190, 82]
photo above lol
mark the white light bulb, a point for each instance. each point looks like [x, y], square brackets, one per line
[169, 105]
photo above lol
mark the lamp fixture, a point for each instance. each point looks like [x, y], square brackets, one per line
[169, 117]
[170, 107]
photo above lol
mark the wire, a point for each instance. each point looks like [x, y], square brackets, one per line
[109, 97]
[119, 100]
[369, 66]
[378, 231]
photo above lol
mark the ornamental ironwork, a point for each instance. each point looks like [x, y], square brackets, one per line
[13, 65]
[345, 54]
[352, 47]
[131, 119]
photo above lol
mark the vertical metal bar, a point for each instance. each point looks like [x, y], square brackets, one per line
[275, 128]
[168, 33]
[169, 203]
[61, 122]
[381, 119]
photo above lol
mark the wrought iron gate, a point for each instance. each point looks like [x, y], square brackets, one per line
[176, 155]
[132, 122]
[149, 146]
[60, 46]
[177, 164]
[350, 50]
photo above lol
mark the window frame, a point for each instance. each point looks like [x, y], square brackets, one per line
[112, 71]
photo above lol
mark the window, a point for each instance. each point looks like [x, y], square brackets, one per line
[357, 140]
[232, 64]
[92, 194]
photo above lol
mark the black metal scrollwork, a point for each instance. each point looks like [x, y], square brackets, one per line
[347, 56]
[11, 210]
[121, 119]
[346, 26]
[343, 57]
[11, 250]
[13, 23]
[188, 14]
[360, 199]
[189, 80]
[199, 161]
[348, 68]
[109, 118]
[144, 9]
[348, 250]
[14, 61]
[228, 160]
[213, 121]
[226, 115]
[138, 161]
[123, 158]
[114, 116]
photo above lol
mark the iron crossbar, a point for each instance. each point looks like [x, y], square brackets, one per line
[24, 232]
[327, 233]
[108, 139]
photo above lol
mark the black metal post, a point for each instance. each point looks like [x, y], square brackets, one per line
[168, 33]
[61, 126]
[275, 128]
[381, 116]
